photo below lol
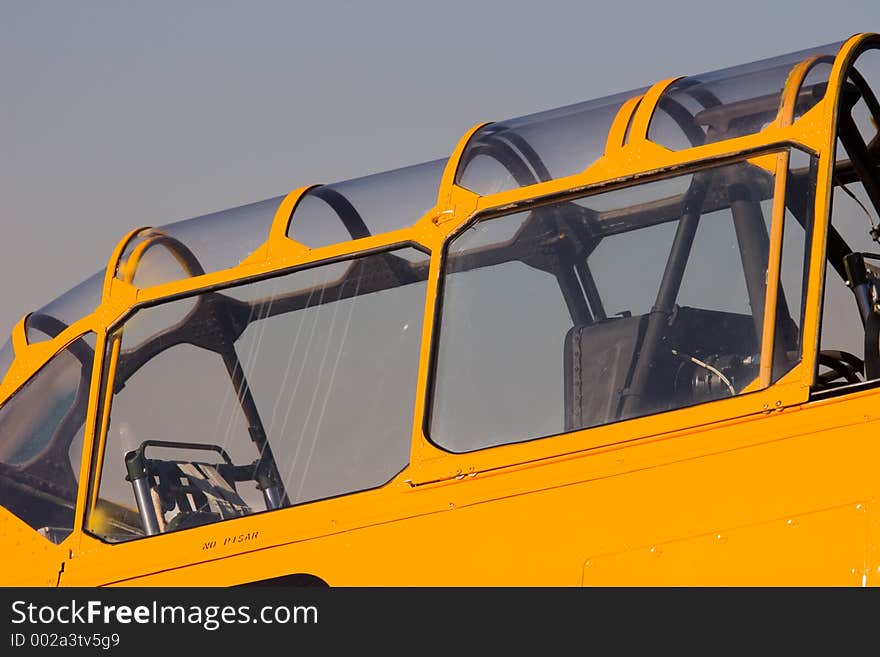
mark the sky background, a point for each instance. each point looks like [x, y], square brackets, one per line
[116, 115]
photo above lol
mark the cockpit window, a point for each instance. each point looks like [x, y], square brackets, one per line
[263, 395]
[41, 438]
[851, 304]
[737, 101]
[538, 147]
[613, 306]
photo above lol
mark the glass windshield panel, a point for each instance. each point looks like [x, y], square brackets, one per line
[538, 147]
[366, 206]
[860, 94]
[797, 228]
[76, 303]
[852, 276]
[41, 438]
[842, 326]
[204, 244]
[736, 101]
[617, 305]
[264, 395]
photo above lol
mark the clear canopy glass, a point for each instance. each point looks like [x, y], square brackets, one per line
[200, 245]
[626, 303]
[266, 394]
[57, 315]
[538, 147]
[737, 101]
[41, 439]
[366, 206]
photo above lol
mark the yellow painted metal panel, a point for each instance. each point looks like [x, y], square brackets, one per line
[822, 548]
[28, 558]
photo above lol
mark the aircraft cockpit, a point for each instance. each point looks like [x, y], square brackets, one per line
[567, 275]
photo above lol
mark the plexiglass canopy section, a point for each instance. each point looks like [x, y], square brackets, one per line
[178, 250]
[740, 100]
[366, 206]
[197, 246]
[54, 317]
[538, 147]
